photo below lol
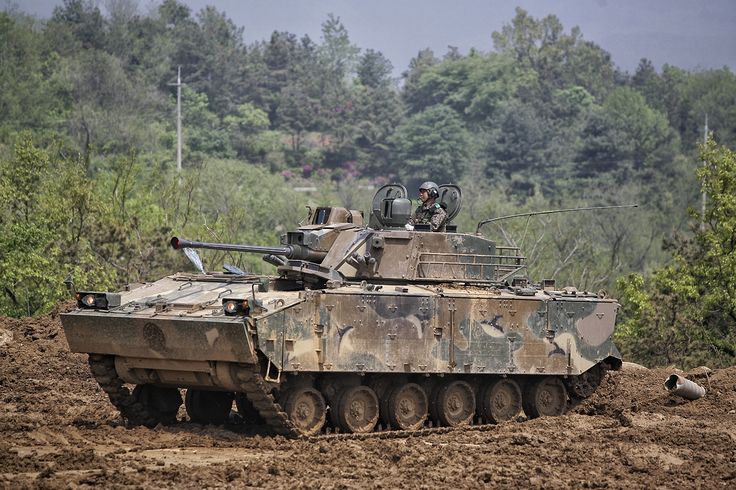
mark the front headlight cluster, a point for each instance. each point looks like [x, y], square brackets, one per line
[235, 307]
[97, 300]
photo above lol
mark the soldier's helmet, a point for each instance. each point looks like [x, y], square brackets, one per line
[432, 189]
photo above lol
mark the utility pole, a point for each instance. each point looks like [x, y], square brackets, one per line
[703, 196]
[178, 85]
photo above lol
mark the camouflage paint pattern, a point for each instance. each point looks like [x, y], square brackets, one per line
[355, 328]
[415, 329]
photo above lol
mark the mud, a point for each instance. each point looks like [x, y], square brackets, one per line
[58, 430]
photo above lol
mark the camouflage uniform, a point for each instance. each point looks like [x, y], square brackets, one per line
[433, 214]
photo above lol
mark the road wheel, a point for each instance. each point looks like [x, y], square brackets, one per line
[156, 404]
[454, 404]
[501, 401]
[306, 410]
[208, 407]
[545, 398]
[357, 409]
[407, 407]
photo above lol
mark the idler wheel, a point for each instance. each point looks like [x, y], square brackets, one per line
[454, 404]
[208, 407]
[357, 409]
[159, 404]
[545, 398]
[501, 401]
[407, 407]
[306, 410]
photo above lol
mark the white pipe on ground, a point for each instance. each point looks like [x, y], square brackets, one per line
[677, 385]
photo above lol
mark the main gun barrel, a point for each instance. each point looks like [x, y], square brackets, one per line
[179, 243]
[289, 251]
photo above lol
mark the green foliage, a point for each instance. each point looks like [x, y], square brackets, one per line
[27, 88]
[433, 143]
[628, 139]
[418, 66]
[236, 203]
[687, 98]
[82, 21]
[474, 86]
[337, 54]
[248, 128]
[42, 243]
[686, 312]
[204, 134]
[58, 224]
[543, 121]
[559, 59]
[374, 69]
[376, 115]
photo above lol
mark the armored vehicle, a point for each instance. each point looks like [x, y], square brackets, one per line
[364, 326]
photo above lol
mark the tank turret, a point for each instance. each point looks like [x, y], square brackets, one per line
[339, 250]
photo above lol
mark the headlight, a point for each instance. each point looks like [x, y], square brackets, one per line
[97, 300]
[235, 307]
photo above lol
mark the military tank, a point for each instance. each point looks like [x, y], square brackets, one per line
[364, 327]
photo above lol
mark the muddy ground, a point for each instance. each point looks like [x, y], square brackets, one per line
[58, 430]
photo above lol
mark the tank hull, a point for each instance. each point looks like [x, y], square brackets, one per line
[323, 351]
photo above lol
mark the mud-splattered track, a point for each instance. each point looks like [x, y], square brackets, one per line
[58, 429]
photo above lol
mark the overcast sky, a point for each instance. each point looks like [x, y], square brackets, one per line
[689, 34]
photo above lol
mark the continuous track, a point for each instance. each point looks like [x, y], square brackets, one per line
[258, 393]
[135, 412]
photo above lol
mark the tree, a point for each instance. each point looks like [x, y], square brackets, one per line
[377, 114]
[685, 313]
[173, 13]
[45, 204]
[374, 69]
[559, 59]
[108, 105]
[211, 52]
[204, 133]
[337, 58]
[515, 147]
[119, 39]
[238, 203]
[80, 24]
[686, 98]
[649, 83]
[432, 144]
[628, 139]
[245, 126]
[28, 98]
[712, 92]
[337, 54]
[280, 56]
[417, 66]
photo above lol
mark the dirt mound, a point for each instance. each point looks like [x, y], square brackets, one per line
[57, 429]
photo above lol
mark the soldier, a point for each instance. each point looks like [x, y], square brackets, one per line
[429, 211]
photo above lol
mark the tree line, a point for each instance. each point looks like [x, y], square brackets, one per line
[543, 120]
